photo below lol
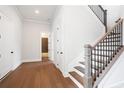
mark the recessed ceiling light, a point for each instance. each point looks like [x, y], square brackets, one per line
[37, 11]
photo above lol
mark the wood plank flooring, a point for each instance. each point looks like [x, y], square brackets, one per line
[45, 59]
[37, 75]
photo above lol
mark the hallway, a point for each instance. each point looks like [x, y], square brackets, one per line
[37, 75]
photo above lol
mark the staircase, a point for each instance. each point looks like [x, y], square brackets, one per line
[77, 74]
[100, 57]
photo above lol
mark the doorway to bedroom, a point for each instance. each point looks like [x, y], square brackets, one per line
[44, 47]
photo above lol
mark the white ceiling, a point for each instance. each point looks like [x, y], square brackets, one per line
[46, 12]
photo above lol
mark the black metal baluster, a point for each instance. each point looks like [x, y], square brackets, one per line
[91, 61]
[106, 51]
[115, 40]
[121, 33]
[118, 39]
[95, 57]
[103, 54]
[102, 50]
[111, 48]
[101, 58]
[97, 61]
[116, 32]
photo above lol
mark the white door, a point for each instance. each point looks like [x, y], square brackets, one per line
[5, 55]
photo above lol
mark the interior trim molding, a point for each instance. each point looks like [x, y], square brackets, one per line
[36, 21]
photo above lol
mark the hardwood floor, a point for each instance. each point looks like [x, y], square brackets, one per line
[37, 75]
[45, 59]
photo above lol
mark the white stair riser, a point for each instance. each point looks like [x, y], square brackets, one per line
[78, 72]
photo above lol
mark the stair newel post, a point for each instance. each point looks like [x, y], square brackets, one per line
[88, 77]
[105, 20]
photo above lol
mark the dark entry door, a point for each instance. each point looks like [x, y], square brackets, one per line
[44, 45]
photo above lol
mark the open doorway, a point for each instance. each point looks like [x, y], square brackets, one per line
[44, 48]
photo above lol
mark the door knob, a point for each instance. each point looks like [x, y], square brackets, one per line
[11, 52]
[61, 52]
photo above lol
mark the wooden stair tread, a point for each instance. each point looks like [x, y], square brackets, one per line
[81, 69]
[72, 83]
[77, 77]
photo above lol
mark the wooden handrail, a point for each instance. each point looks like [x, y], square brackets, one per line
[117, 20]
[99, 56]
[106, 34]
[101, 8]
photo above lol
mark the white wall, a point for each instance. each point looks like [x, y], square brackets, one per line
[121, 11]
[13, 28]
[79, 27]
[51, 46]
[113, 14]
[31, 44]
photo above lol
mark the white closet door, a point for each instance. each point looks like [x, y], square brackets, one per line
[5, 55]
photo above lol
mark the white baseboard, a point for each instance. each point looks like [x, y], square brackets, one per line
[4, 73]
[31, 60]
[65, 74]
[16, 66]
[9, 71]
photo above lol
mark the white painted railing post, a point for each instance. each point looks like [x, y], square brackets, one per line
[87, 77]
